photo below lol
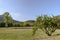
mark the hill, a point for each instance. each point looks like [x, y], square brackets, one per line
[2, 19]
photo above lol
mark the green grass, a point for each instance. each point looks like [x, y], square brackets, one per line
[23, 34]
[19, 34]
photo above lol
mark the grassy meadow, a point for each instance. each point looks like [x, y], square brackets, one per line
[24, 34]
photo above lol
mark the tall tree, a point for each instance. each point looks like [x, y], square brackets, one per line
[7, 18]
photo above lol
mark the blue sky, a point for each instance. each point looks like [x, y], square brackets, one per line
[22, 10]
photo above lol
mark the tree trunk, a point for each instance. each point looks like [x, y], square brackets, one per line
[47, 32]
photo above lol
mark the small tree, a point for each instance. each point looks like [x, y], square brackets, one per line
[47, 24]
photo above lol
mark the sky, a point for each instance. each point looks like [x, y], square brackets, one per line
[23, 10]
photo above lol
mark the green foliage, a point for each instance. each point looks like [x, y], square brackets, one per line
[35, 29]
[37, 24]
[26, 24]
[21, 24]
[47, 24]
[7, 18]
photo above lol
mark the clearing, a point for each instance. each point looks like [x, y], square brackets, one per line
[26, 34]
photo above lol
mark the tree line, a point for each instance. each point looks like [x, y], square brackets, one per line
[9, 22]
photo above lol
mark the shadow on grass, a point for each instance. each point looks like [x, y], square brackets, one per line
[56, 35]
